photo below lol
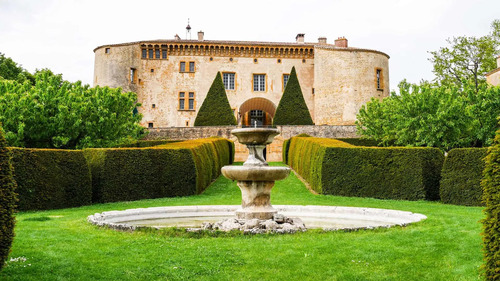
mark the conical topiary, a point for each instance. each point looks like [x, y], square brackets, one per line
[215, 110]
[7, 201]
[491, 222]
[292, 109]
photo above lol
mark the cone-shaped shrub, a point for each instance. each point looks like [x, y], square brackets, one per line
[7, 201]
[215, 110]
[491, 224]
[292, 109]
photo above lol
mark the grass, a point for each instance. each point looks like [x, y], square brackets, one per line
[61, 245]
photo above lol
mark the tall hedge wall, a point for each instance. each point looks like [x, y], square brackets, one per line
[148, 143]
[339, 168]
[7, 201]
[491, 224]
[461, 176]
[173, 169]
[51, 178]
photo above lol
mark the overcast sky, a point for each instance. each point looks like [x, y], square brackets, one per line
[61, 35]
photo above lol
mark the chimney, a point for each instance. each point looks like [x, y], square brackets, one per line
[341, 42]
[322, 40]
[300, 38]
[200, 35]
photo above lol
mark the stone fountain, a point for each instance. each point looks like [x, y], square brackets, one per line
[255, 178]
[255, 215]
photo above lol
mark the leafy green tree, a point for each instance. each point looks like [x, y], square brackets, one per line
[292, 109]
[215, 110]
[467, 58]
[10, 70]
[438, 116]
[58, 114]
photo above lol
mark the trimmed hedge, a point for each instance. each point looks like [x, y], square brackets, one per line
[7, 201]
[292, 108]
[339, 168]
[215, 109]
[491, 224]
[147, 143]
[359, 141]
[461, 176]
[174, 169]
[51, 178]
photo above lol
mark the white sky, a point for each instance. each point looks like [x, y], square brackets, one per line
[61, 35]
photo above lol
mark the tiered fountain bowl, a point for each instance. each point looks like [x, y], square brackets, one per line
[255, 178]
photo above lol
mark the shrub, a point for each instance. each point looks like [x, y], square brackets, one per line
[359, 141]
[491, 224]
[147, 143]
[7, 201]
[286, 147]
[174, 169]
[51, 178]
[461, 176]
[339, 168]
[215, 110]
[292, 108]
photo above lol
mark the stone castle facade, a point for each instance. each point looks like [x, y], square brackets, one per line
[172, 77]
[493, 77]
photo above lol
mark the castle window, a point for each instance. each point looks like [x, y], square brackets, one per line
[279, 60]
[182, 99]
[144, 53]
[108, 50]
[191, 66]
[259, 82]
[163, 54]
[133, 75]
[153, 105]
[379, 79]
[150, 53]
[255, 60]
[191, 101]
[182, 66]
[150, 125]
[211, 59]
[285, 80]
[303, 60]
[228, 79]
[152, 70]
[157, 53]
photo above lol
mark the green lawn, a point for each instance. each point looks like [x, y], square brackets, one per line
[61, 245]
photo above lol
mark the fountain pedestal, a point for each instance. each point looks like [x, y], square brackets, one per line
[255, 178]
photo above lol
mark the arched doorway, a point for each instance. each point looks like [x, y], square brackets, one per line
[257, 112]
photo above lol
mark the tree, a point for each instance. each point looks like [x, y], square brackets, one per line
[468, 58]
[215, 110]
[58, 114]
[10, 70]
[438, 116]
[292, 109]
[7, 201]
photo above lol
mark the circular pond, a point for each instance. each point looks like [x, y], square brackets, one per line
[324, 217]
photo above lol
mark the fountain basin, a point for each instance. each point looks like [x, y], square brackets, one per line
[255, 173]
[255, 135]
[323, 217]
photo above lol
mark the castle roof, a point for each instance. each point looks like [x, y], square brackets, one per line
[244, 43]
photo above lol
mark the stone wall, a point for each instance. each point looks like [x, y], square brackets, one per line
[345, 80]
[273, 150]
